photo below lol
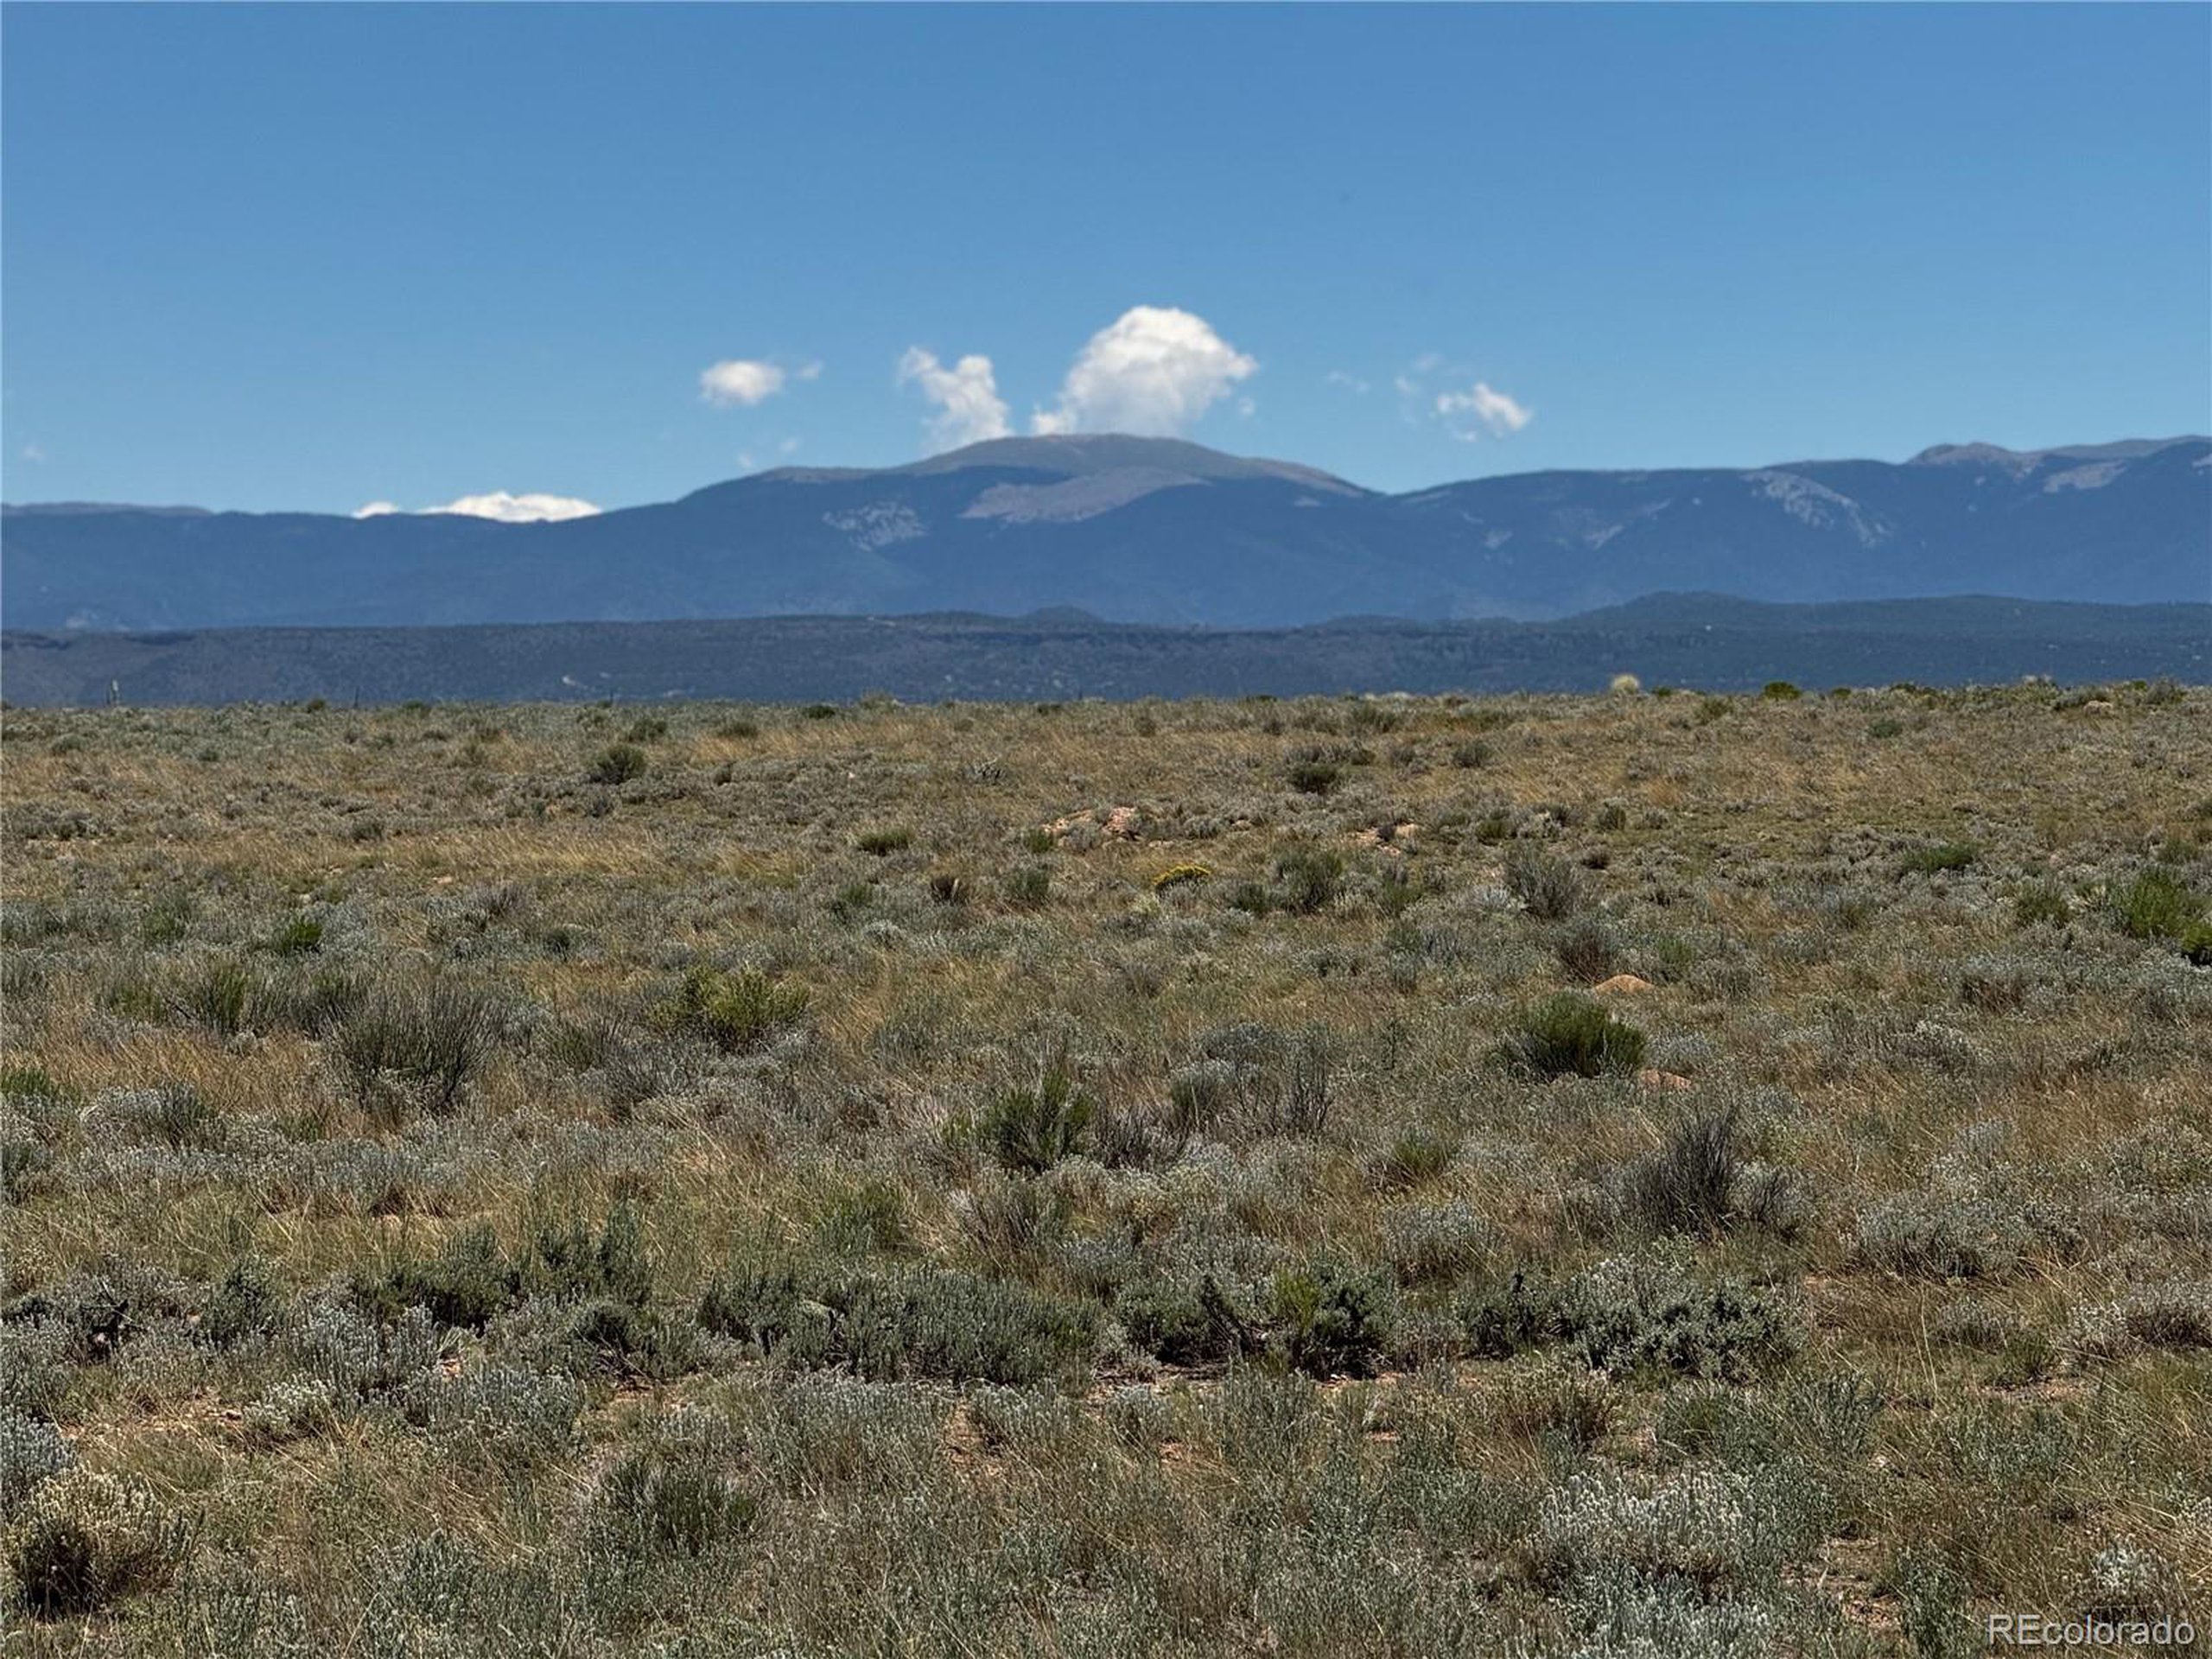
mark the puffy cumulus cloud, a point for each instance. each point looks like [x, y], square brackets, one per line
[1153, 371]
[746, 380]
[1481, 411]
[966, 395]
[500, 505]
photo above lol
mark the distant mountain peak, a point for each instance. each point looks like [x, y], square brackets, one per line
[1995, 454]
[1087, 454]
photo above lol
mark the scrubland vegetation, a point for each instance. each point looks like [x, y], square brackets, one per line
[1650, 1175]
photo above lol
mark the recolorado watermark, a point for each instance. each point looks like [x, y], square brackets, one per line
[2043, 1630]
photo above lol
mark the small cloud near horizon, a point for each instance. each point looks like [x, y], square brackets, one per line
[749, 381]
[1480, 411]
[965, 395]
[507, 509]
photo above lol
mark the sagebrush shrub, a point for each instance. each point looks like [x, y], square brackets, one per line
[82, 1541]
[1549, 888]
[887, 1326]
[618, 763]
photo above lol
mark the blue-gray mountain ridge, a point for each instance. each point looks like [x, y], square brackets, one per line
[1158, 530]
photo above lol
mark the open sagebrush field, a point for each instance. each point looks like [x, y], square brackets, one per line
[1107, 1181]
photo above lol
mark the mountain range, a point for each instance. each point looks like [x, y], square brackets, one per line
[1161, 531]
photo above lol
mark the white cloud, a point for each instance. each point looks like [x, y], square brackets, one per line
[34, 454]
[969, 407]
[1482, 410]
[500, 505]
[745, 380]
[1153, 372]
[1349, 382]
[809, 371]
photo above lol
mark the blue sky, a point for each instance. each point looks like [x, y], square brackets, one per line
[316, 255]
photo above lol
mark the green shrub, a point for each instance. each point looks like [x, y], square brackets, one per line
[296, 938]
[1688, 1185]
[1416, 1157]
[1937, 860]
[1332, 1318]
[32, 1082]
[646, 728]
[1027, 888]
[882, 843]
[1780, 691]
[618, 763]
[1309, 878]
[1033, 1128]
[2158, 904]
[2039, 903]
[467, 1284]
[907, 1324]
[868, 1218]
[1573, 1034]
[1180, 1322]
[420, 1047]
[737, 1012]
[246, 1306]
[215, 997]
[568, 1262]
[1315, 777]
[663, 1503]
